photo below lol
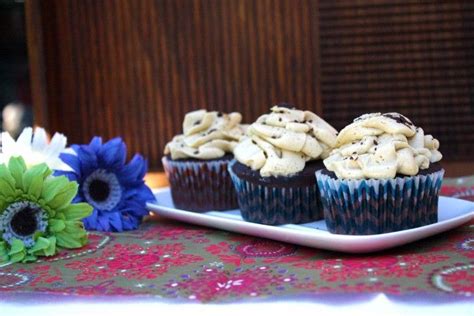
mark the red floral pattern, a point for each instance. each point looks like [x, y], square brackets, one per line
[132, 262]
[175, 260]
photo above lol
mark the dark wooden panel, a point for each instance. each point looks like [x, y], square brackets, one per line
[134, 68]
[414, 57]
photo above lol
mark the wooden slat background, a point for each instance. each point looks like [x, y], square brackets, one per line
[413, 57]
[134, 68]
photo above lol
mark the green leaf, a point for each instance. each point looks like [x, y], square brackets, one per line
[6, 175]
[3, 252]
[77, 211]
[43, 247]
[31, 175]
[36, 187]
[52, 186]
[65, 196]
[17, 251]
[73, 236]
[29, 258]
[58, 192]
[17, 167]
[56, 225]
[5, 188]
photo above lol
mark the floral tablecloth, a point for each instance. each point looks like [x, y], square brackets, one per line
[172, 260]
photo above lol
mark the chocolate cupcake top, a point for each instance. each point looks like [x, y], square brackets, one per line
[380, 146]
[280, 143]
[206, 135]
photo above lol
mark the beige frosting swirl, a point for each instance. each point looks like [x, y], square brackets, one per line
[206, 135]
[280, 143]
[378, 146]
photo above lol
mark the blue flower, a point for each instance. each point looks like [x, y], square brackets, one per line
[115, 189]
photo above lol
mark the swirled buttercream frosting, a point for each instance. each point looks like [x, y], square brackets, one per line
[380, 146]
[281, 142]
[206, 135]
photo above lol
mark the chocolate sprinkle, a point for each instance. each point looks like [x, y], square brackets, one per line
[399, 119]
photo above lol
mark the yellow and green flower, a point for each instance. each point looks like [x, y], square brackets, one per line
[37, 215]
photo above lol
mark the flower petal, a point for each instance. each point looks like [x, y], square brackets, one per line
[113, 153]
[3, 251]
[115, 221]
[56, 146]
[56, 225]
[73, 236]
[40, 140]
[77, 211]
[133, 171]
[64, 196]
[72, 161]
[24, 140]
[43, 247]
[58, 192]
[8, 144]
[88, 159]
[34, 175]
[95, 144]
[17, 167]
[7, 177]
[17, 250]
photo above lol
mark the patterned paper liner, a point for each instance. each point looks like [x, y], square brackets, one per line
[270, 205]
[365, 207]
[200, 186]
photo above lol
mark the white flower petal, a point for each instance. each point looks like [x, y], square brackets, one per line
[70, 151]
[25, 137]
[36, 151]
[57, 164]
[8, 144]
[40, 139]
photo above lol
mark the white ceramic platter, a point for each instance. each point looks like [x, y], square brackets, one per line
[451, 213]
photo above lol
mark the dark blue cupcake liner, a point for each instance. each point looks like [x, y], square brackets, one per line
[270, 205]
[200, 186]
[365, 207]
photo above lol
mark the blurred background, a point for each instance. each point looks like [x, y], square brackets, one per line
[134, 68]
[15, 95]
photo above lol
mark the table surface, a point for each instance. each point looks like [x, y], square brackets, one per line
[168, 261]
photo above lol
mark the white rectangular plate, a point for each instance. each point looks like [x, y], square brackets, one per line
[451, 213]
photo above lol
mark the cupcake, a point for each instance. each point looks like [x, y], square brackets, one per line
[196, 161]
[274, 166]
[383, 176]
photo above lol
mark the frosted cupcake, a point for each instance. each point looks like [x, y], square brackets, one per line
[383, 176]
[196, 161]
[275, 164]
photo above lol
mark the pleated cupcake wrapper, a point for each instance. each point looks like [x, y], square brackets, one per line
[364, 207]
[266, 204]
[200, 186]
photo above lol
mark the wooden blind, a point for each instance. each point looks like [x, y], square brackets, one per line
[134, 68]
[413, 57]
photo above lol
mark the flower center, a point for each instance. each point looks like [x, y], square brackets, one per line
[102, 190]
[21, 220]
[99, 190]
[24, 222]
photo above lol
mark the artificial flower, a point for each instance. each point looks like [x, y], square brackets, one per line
[36, 213]
[114, 188]
[35, 148]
